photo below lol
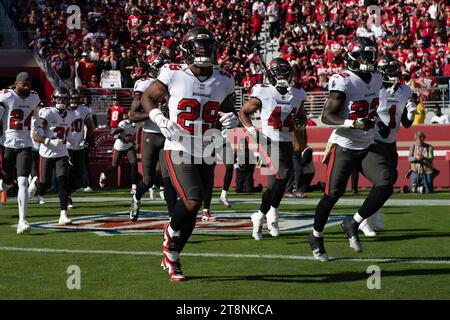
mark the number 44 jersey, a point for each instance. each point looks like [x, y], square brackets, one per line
[277, 110]
[19, 114]
[194, 103]
[58, 127]
[361, 101]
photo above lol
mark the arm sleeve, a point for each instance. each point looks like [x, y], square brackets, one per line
[165, 75]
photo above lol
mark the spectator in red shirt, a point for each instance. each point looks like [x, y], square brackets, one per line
[248, 81]
[292, 12]
[257, 22]
[94, 83]
[86, 68]
[116, 113]
[134, 20]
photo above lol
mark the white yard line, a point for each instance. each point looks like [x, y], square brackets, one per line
[227, 255]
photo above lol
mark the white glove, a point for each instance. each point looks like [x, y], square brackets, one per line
[253, 133]
[412, 110]
[168, 128]
[53, 143]
[228, 120]
[83, 144]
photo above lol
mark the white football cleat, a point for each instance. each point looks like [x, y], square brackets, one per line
[23, 227]
[367, 229]
[272, 222]
[102, 181]
[161, 194]
[32, 188]
[377, 220]
[224, 201]
[40, 200]
[64, 220]
[257, 220]
[88, 189]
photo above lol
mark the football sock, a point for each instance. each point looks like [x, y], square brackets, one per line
[323, 210]
[22, 197]
[358, 218]
[278, 189]
[186, 230]
[179, 214]
[141, 189]
[63, 192]
[223, 194]
[375, 200]
[317, 234]
[228, 177]
[266, 201]
[134, 173]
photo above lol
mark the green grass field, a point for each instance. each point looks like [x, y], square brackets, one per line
[413, 254]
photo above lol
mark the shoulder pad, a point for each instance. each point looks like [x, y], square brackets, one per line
[173, 66]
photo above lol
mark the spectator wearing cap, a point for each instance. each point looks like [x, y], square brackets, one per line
[439, 117]
[86, 68]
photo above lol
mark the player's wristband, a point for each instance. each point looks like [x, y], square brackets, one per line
[157, 116]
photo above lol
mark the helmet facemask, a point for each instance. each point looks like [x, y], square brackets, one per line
[363, 61]
[60, 102]
[390, 71]
[280, 75]
[200, 51]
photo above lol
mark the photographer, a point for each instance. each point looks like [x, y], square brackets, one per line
[421, 159]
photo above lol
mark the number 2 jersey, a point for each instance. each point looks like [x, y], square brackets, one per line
[277, 110]
[58, 127]
[390, 111]
[19, 115]
[361, 101]
[194, 104]
[77, 131]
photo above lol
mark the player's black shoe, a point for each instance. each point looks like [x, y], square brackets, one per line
[350, 227]
[317, 247]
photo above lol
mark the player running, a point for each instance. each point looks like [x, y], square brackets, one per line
[197, 93]
[396, 106]
[81, 136]
[351, 109]
[56, 122]
[279, 103]
[152, 143]
[18, 110]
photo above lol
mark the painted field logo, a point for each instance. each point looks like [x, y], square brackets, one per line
[152, 222]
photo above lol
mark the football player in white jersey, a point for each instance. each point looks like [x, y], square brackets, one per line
[18, 111]
[125, 135]
[57, 124]
[351, 108]
[198, 92]
[81, 137]
[279, 103]
[396, 106]
[152, 144]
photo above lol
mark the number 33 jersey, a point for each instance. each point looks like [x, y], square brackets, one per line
[194, 104]
[18, 116]
[277, 110]
[391, 109]
[58, 127]
[361, 102]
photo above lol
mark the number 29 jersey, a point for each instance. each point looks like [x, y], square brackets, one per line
[277, 110]
[390, 111]
[361, 101]
[58, 127]
[19, 115]
[194, 104]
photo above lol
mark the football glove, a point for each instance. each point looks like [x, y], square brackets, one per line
[169, 129]
[84, 144]
[53, 143]
[383, 129]
[228, 120]
[412, 110]
[364, 124]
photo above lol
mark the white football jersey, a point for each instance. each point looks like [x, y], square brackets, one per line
[129, 131]
[277, 110]
[194, 104]
[58, 127]
[390, 111]
[18, 118]
[140, 86]
[361, 102]
[77, 131]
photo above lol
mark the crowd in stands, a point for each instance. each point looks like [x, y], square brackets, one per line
[127, 35]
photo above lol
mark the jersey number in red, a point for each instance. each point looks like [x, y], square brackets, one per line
[16, 117]
[191, 112]
[275, 120]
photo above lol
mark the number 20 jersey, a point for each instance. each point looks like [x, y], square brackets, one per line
[58, 127]
[18, 118]
[194, 104]
[277, 110]
[391, 109]
[361, 102]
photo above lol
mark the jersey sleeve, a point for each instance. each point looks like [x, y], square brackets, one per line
[166, 73]
[45, 113]
[337, 83]
[257, 91]
[123, 124]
